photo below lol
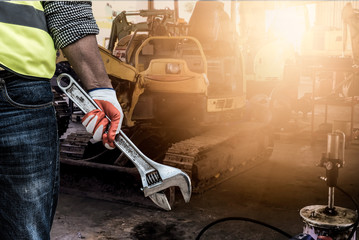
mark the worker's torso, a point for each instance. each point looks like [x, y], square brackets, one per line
[26, 48]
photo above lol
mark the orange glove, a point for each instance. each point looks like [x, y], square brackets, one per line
[96, 121]
[324, 238]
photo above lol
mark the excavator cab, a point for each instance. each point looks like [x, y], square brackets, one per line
[192, 73]
[213, 28]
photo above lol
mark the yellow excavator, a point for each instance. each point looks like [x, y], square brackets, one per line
[183, 94]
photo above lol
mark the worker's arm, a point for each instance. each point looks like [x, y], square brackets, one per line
[73, 28]
[85, 58]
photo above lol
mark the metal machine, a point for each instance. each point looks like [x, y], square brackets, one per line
[330, 220]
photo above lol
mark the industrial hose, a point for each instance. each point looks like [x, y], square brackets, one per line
[355, 225]
[241, 219]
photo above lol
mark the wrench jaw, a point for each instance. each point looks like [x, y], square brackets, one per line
[185, 187]
[172, 177]
[155, 177]
[160, 200]
[180, 180]
[155, 182]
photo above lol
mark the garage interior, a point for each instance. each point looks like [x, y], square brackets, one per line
[257, 102]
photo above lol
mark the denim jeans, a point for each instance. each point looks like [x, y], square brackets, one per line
[28, 159]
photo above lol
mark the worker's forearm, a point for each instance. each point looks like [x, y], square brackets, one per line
[86, 60]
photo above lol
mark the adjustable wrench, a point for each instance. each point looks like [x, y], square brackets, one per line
[155, 177]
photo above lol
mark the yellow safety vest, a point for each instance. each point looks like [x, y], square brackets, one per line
[26, 47]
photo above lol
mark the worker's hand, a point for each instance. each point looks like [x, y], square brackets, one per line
[96, 121]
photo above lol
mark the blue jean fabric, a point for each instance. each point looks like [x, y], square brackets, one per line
[28, 159]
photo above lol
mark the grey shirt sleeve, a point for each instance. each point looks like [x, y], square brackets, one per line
[69, 21]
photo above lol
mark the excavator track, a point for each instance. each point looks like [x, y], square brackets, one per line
[73, 146]
[221, 153]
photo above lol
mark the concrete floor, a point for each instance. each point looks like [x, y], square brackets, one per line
[273, 193]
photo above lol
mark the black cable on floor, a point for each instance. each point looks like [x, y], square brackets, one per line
[242, 219]
[355, 225]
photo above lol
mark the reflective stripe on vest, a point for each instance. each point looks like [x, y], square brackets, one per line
[26, 47]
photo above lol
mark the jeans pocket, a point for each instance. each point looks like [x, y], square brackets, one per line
[28, 94]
